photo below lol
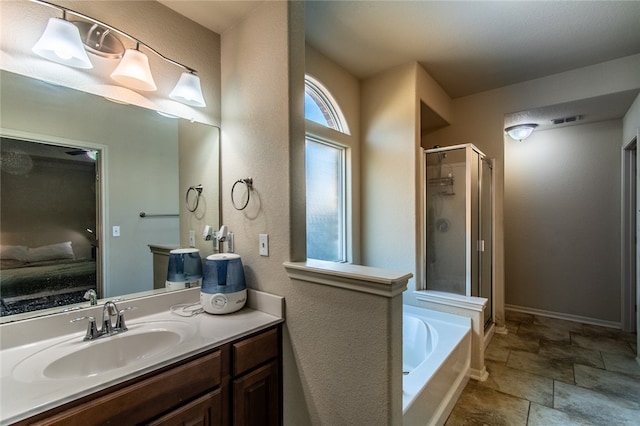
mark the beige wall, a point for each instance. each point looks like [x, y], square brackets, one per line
[389, 122]
[199, 164]
[562, 232]
[336, 342]
[631, 122]
[53, 201]
[480, 119]
[631, 130]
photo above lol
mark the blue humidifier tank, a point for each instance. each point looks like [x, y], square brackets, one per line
[185, 269]
[223, 287]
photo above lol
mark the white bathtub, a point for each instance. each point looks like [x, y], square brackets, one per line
[436, 359]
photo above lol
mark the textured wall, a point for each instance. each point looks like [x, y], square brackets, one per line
[336, 342]
[562, 226]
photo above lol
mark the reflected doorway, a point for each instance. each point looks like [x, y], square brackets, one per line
[50, 227]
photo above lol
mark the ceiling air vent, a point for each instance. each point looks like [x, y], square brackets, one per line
[565, 120]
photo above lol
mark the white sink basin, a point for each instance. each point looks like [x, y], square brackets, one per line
[73, 358]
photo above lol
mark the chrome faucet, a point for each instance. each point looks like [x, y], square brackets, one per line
[91, 296]
[109, 310]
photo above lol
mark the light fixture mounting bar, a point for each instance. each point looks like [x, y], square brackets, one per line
[65, 11]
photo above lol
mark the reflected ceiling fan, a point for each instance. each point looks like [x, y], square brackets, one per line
[91, 153]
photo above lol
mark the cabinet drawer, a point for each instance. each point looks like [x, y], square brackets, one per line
[204, 411]
[142, 401]
[254, 351]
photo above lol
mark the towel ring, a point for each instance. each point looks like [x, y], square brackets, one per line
[248, 182]
[198, 191]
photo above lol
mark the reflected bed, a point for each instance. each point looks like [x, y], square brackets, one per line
[27, 287]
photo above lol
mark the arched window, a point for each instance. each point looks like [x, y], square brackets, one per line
[326, 177]
[321, 107]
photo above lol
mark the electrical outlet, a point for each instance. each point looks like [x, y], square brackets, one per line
[192, 238]
[115, 231]
[264, 244]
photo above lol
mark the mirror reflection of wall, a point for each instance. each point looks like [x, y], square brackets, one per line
[140, 167]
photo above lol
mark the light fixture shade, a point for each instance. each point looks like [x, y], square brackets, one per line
[61, 43]
[188, 90]
[133, 71]
[521, 131]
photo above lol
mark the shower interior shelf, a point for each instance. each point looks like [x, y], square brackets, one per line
[445, 182]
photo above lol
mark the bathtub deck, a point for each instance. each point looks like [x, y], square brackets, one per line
[431, 389]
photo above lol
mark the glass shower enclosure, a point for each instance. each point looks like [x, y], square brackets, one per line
[459, 223]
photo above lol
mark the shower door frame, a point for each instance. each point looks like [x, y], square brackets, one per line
[471, 248]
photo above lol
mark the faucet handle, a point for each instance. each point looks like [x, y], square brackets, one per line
[92, 328]
[120, 324]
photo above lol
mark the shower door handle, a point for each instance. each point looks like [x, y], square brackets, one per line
[481, 245]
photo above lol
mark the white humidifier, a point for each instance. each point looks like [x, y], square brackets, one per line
[185, 269]
[223, 287]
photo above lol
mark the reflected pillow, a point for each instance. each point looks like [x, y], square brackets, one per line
[51, 252]
[20, 253]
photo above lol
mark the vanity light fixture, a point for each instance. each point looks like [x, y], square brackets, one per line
[133, 70]
[521, 131]
[61, 43]
[188, 90]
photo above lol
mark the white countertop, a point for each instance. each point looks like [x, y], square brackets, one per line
[21, 398]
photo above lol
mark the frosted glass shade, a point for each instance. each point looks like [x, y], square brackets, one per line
[61, 43]
[188, 90]
[133, 71]
[521, 131]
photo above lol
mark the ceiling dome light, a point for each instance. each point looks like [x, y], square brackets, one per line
[133, 71]
[188, 90]
[521, 131]
[61, 43]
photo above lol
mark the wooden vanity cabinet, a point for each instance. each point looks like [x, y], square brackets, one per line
[236, 384]
[257, 380]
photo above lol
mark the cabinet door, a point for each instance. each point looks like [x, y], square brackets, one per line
[256, 397]
[204, 411]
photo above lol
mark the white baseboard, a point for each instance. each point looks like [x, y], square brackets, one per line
[563, 316]
[479, 375]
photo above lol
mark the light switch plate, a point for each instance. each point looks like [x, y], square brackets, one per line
[264, 244]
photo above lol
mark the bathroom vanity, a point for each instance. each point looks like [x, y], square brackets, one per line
[223, 370]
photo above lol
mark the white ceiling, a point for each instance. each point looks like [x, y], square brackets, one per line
[466, 46]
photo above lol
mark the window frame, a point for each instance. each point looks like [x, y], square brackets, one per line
[343, 199]
[338, 137]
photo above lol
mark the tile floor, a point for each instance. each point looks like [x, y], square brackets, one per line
[548, 372]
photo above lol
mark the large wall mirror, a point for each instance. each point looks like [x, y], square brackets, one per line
[143, 161]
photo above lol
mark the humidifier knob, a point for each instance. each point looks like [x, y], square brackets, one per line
[219, 302]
